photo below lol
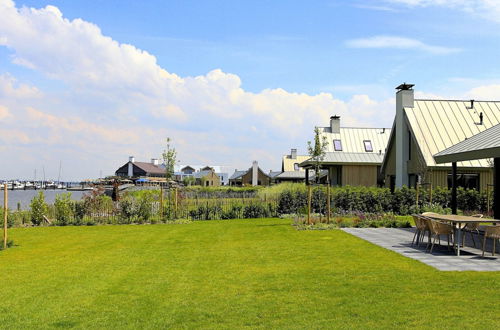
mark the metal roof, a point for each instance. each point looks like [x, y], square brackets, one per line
[349, 157]
[273, 174]
[352, 139]
[291, 175]
[237, 174]
[440, 124]
[480, 146]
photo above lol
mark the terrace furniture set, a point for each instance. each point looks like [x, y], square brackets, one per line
[454, 227]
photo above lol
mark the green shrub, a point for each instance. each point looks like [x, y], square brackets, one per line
[63, 209]
[38, 208]
[255, 211]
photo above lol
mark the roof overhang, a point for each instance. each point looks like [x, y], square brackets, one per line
[480, 146]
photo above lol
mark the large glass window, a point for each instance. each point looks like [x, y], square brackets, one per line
[296, 166]
[337, 145]
[467, 181]
[368, 145]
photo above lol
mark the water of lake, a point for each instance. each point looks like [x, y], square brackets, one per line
[25, 196]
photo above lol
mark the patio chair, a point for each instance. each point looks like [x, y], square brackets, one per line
[491, 232]
[437, 229]
[471, 228]
[421, 228]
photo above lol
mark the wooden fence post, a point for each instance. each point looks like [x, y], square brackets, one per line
[328, 203]
[430, 193]
[309, 205]
[5, 211]
[161, 202]
[416, 199]
[175, 201]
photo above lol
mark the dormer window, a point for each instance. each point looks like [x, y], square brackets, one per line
[368, 145]
[337, 145]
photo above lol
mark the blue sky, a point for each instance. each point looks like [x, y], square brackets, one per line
[228, 81]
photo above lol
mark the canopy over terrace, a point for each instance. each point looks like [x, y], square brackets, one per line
[480, 146]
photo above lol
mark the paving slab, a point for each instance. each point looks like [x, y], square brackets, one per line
[400, 240]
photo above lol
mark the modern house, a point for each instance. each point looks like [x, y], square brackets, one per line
[423, 128]
[354, 155]
[253, 176]
[207, 178]
[133, 169]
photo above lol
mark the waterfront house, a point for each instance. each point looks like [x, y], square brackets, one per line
[133, 169]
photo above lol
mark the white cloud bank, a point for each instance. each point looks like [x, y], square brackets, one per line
[116, 100]
[395, 42]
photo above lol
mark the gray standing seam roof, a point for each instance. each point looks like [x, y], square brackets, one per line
[483, 145]
[341, 157]
[439, 124]
[237, 175]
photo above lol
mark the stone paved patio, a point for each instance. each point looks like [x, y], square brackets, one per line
[399, 240]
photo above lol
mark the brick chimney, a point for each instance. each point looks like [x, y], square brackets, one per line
[293, 154]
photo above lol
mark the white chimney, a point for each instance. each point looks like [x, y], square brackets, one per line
[255, 173]
[404, 99]
[335, 124]
[154, 161]
[293, 154]
[131, 161]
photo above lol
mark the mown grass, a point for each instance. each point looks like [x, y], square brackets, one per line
[229, 274]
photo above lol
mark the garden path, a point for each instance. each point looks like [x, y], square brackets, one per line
[399, 240]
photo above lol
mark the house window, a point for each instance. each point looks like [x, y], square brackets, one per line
[337, 145]
[296, 166]
[467, 181]
[368, 145]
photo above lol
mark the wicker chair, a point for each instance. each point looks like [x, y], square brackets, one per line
[437, 229]
[471, 228]
[421, 229]
[491, 232]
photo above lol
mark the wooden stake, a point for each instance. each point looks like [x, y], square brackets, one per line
[417, 194]
[161, 202]
[5, 209]
[175, 201]
[430, 193]
[328, 203]
[309, 205]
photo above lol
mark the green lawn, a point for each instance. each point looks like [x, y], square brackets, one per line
[231, 274]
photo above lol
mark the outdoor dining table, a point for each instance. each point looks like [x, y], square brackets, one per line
[458, 222]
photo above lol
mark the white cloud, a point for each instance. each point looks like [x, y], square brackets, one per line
[400, 43]
[116, 100]
[489, 9]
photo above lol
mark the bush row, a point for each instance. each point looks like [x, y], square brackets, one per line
[380, 200]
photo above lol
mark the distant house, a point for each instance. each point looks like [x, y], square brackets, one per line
[207, 178]
[188, 170]
[292, 161]
[423, 128]
[183, 171]
[290, 176]
[133, 169]
[354, 155]
[254, 176]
